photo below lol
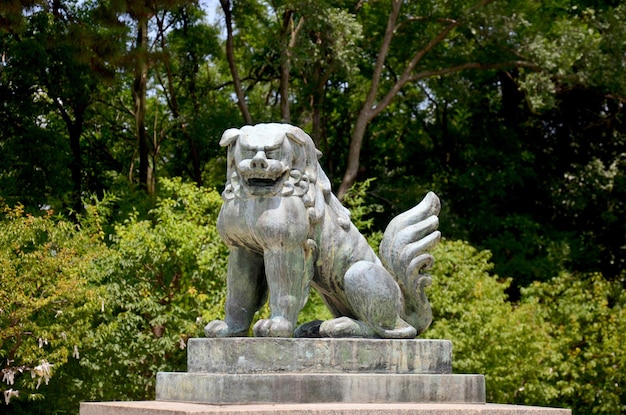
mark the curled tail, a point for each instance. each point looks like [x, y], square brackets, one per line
[403, 251]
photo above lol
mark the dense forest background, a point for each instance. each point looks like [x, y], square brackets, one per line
[511, 111]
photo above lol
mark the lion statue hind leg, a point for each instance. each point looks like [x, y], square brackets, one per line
[376, 302]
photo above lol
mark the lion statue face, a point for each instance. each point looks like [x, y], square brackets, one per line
[263, 163]
[267, 160]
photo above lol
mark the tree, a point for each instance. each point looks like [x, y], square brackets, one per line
[562, 338]
[291, 50]
[184, 42]
[142, 58]
[165, 281]
[461, 24]
[59, 83]
[230, 53]
[94, 321]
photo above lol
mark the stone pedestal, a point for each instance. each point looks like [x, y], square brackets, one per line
[263, 376]
[247, 355]
[182, 408]
[262, 370]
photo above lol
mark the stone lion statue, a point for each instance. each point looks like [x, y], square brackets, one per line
[287, 232]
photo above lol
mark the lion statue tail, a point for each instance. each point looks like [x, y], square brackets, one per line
[404, 252]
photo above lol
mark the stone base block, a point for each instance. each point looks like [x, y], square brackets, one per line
[281, 370]
[321, 388]
[180, 408]
[278, 355]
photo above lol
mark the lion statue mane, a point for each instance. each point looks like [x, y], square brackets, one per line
[287, 232]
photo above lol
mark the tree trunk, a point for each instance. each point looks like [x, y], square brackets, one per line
[172, 100]
[75, 130]
[366, 114]
[354, 153]
[317, 104]
[139, 97]
[230, 54]
[373, 106]
[285, 66]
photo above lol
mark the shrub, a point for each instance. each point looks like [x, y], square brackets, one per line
[490, 335]
[584, 317]
[165, 281]
[560, 346]
[49, 290]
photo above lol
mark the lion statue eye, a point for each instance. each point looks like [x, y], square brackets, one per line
[248, 154]
[273, 154]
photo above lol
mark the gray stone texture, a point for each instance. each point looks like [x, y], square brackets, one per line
[319, 387]
[285, 370]
[287, 233]
[242, 376]
[280, 355]
[180, 408]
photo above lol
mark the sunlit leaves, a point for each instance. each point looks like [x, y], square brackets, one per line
[48, 291]
[165, 279]
[560, 346]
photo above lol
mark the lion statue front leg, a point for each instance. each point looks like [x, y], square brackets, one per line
[288, 290]
[246, 293]
[251, 276]
[277, 259]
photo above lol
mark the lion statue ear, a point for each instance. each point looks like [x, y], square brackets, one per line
[299, 136]
[229, 136]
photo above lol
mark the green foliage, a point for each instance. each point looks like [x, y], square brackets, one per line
[545, 107]
[526, 154]
[165, 281]
[583, 316]
[49, 289]
[560, 346]
[489, 335]
[361, 212]
[106, 317]
[133, 303]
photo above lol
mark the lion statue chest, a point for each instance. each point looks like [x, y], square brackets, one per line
[260, 224]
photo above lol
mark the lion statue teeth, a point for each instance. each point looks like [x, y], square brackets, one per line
[287, 232]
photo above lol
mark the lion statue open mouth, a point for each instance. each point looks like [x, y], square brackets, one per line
[287, 232]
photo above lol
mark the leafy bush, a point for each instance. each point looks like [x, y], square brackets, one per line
[97, 308]
[165, 281]
[49, 289]
[584, 317]
[559, 346]
[105, 318]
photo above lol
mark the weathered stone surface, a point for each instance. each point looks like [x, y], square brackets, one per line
[180, 408]
[287, 233]
[286, 370]
[316, 387]
[280, 355]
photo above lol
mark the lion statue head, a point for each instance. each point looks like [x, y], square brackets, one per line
[269, 160]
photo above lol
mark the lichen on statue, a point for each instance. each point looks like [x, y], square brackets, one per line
[287, 232]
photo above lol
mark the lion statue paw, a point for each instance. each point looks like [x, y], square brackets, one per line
[273, 327]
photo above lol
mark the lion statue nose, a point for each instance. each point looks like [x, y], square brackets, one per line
[259, 161]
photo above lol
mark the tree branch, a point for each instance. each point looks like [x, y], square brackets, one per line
[472, 65]
[241, 100]
[382, 56]
[368, 111]
[406, 75]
